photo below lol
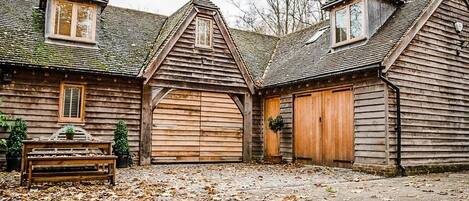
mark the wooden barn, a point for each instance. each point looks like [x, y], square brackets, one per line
[381, 86]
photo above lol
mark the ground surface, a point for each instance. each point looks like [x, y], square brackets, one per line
[246, 182]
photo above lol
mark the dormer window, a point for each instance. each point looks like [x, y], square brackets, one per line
[349, 23]
[73, 21]
[203, 33]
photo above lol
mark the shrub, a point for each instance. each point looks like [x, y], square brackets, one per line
[276, 124]
[70, 131]
[121, 144]
[18, 133]
[3, 144]
[4, 119]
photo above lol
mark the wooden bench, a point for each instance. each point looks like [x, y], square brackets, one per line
[65, 161]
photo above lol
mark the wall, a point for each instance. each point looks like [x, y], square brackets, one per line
[434, 81]
[34, 96]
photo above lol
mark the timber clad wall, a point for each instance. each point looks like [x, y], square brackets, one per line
[370, 125]
[257, 128]
[434, 82]
[34, 96]
[187, 64]
[286, 136]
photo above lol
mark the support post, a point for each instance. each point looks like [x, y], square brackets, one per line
[247, 136]
[146, 124]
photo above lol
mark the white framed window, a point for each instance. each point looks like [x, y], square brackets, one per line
[204, 32]
[349, 24]
[73, 21]
[72, 103]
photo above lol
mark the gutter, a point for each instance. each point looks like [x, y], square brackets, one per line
[401, 168]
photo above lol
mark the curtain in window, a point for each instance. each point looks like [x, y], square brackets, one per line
[340, 26]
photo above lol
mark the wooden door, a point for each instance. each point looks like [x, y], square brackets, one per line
[338, 128]
[323, 127]
[221, 137]
[307, 124]
[271, 139]
[176, 127]
[192, 126]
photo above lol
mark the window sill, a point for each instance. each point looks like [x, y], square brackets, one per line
[70, 39]
[348, 42]
[203, 47]
[74, 122]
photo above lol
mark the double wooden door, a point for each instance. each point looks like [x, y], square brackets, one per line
[323, 127]
[195, 126]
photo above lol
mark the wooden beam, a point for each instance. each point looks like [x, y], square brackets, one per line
[158, 95]
[146, 126]
[238, 102]
[247, 136]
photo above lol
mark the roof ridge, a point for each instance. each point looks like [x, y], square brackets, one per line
[139, 11]
[253, 32]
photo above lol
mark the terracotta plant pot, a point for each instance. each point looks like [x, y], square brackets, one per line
[122, 161]
[13, 164]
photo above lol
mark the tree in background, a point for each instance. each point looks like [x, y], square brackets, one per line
[279, 17]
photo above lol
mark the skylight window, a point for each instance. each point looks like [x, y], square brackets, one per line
[316, 35]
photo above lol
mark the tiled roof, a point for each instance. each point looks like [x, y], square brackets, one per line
[124, 38]
[295, 60]
[128, 40]
[256, 50]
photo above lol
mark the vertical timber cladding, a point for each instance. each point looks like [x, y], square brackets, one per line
[272, 139]
[194, 126]
[323, 127]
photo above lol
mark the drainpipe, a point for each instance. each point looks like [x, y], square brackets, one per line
[398, 123]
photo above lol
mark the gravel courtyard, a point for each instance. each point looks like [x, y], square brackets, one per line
[246, 182]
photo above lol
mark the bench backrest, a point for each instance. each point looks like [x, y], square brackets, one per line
[80, 134]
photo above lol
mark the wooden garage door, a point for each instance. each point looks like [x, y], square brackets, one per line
[323, 127]
[192, 126]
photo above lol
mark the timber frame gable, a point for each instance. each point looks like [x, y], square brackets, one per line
[191, 13]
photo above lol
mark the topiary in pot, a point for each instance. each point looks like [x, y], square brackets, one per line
[276, 124]
[69, 132]
[121, 145]
[14, 144]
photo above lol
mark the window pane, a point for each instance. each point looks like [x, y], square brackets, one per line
[203, 32]
[356, 20]
[340, 25]
[72, 102]
[63, 18]
[67, 102]
[84, 22]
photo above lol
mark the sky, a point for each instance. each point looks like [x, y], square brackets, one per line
[167, 7]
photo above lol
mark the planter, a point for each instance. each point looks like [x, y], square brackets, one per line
[13, 164]
[69, 136]
[122, 161]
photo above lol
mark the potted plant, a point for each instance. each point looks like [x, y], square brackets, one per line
[69, 132]
[14, 144]
[121, 145]
[276, 124]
